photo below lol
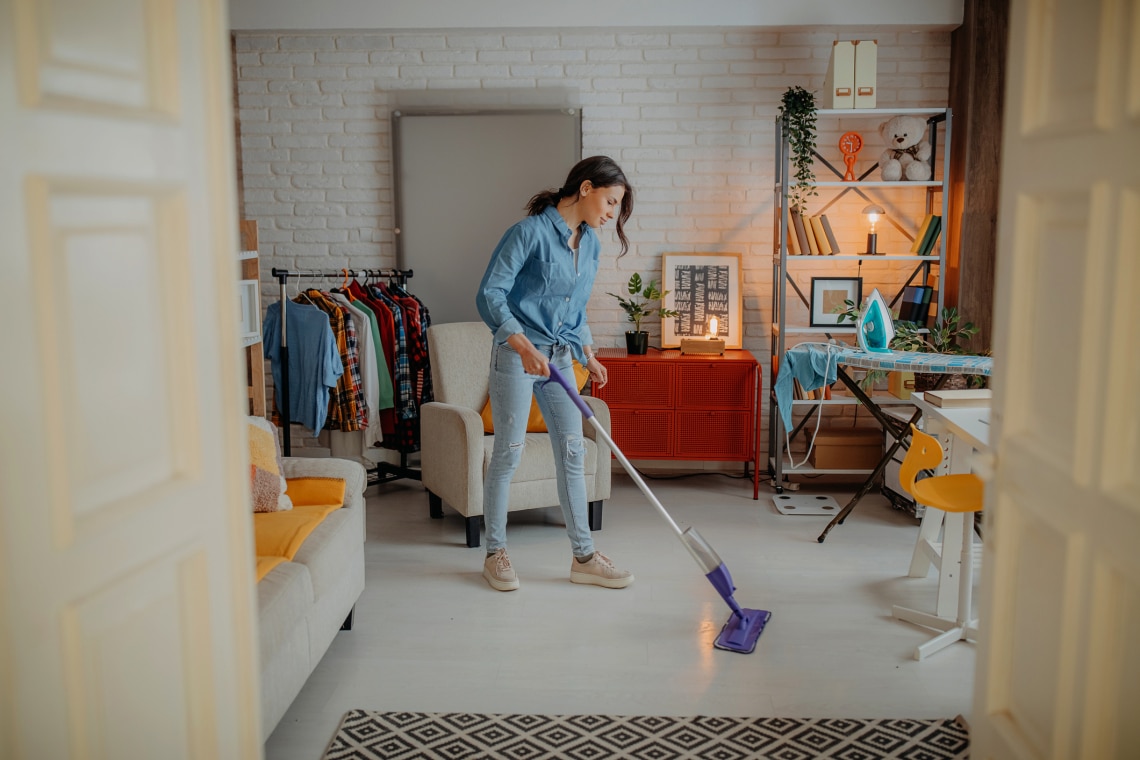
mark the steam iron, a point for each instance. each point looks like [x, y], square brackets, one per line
[875, 326]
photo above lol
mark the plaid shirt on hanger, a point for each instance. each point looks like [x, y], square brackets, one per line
[347, 408]
[402, 374]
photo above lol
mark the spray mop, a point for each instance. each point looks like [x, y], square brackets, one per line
[744, 626]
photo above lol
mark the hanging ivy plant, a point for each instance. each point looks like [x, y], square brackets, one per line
[797, 111]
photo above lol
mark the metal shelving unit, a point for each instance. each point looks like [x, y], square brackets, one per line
[778, 459]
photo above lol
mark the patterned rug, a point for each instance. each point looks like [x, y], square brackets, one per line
[365, 735]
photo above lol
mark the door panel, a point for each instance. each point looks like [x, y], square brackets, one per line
[127, 597]
[1060, 604]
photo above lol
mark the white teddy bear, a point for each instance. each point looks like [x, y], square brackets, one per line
[908, 151]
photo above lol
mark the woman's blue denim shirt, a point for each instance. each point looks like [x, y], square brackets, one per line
[530, 285]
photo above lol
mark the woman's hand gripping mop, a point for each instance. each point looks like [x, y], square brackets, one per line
[744, 627]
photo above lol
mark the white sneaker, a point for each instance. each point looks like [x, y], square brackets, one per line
[498, 571]
[599, 571]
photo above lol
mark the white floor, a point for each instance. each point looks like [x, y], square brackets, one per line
[431, 636]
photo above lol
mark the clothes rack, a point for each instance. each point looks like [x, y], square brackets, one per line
[383, 471]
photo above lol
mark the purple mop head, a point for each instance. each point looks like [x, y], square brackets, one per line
[742, 630]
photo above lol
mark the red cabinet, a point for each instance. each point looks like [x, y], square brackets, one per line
[665, 405]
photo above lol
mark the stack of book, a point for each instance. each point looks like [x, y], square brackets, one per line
[927, 236]
[810, 235]
[818, 394]
[915, 305]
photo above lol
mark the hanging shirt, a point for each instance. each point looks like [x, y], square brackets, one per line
[813, 369]
[532, 285]
[348, 398]
[314, 361]
[367, 353]
[383, 374]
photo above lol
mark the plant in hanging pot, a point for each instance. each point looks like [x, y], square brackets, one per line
[638, 306]
[797, 116]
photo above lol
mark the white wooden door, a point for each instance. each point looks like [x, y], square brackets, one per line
[127, 625]
[1058, 661]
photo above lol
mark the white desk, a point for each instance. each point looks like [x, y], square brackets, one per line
[964, 434]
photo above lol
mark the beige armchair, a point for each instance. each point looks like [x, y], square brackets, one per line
[454, 450]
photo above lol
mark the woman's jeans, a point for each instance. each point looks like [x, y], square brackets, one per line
[511, 391]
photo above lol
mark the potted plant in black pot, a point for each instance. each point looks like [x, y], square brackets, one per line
[638, 306]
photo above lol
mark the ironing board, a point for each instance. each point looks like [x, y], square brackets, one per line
[894, 361]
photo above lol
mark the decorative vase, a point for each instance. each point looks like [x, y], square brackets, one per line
[637, 343]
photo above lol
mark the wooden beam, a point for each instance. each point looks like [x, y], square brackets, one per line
[977, 89]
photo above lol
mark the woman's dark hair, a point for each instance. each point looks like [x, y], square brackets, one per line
[600, 171]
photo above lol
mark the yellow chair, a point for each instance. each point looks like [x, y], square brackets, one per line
[962, 493]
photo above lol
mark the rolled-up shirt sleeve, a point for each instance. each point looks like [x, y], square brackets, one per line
[499, 280]
[586, 338]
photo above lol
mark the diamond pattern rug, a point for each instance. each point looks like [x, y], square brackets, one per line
[366, 735]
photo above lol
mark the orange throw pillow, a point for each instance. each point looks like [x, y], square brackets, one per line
[534, 422]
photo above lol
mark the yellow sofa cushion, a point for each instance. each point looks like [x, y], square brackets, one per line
[309, 491]
[279, 535]
[534, 422]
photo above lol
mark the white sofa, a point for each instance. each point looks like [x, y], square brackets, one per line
[302, 604]
[454, 452]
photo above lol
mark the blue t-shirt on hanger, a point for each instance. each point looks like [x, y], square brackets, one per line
[314, 360]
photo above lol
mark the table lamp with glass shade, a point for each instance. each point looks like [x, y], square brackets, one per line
[873, 213]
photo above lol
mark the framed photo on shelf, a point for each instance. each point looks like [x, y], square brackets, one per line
[828, 295]
[701, 286]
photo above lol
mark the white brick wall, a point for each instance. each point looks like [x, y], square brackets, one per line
[688, 115]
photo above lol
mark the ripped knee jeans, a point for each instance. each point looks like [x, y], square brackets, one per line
[511, 392]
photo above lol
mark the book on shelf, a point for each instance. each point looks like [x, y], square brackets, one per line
[957, 398]
[829, 234]
[801, 232]
[915, 304]
[821, 241]
[921, 234]
[931, 236]
[809, 232]
[793, 239]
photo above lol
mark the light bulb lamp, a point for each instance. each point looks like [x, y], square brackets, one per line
[709, 344]
[873, 213]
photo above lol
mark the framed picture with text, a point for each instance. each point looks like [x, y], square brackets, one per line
[702, 286]
[828, 295]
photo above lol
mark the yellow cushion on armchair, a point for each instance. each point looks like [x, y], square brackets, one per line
[534, 422]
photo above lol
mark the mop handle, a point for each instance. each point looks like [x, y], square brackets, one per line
[559, 378]
[571, 391]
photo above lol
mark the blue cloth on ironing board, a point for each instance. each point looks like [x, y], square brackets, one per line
[813, 368]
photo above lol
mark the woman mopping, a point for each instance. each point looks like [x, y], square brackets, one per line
[533, 297]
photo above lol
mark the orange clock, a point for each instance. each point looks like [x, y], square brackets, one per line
[850, 144]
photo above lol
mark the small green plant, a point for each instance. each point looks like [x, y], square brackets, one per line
[798, 114]
[639, 305]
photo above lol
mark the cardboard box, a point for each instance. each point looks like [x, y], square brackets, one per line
[847, 449]
[900, 384]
